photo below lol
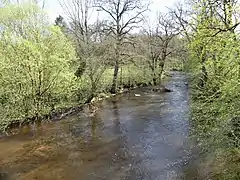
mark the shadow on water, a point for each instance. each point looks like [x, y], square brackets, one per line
[145, 138]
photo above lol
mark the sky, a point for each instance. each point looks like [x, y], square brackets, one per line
[54, 9]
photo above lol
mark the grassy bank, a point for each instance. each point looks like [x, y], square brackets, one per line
[217, 132]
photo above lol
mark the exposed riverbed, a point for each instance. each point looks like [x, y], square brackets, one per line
[130, 137]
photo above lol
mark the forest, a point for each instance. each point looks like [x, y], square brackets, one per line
[49, 66]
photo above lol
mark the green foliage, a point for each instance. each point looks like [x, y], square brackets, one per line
[215, 103]
[133, 75]
[45, 67]
[34, 63]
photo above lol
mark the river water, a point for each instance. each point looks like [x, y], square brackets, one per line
[130, 137]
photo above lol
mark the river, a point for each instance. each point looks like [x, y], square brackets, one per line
[130, 137]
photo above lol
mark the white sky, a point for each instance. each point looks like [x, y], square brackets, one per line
[54, 9]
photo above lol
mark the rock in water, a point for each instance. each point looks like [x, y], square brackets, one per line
[161, 89]
[137, 95]
[167, 90]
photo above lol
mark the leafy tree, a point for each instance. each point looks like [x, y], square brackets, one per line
[35, 62]
[214, 50]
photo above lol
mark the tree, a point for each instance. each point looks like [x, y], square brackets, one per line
[213, 19]
[90, 45]
[167, 29]
[59, 21]
[214, 60]
[124, 16]
[150, 49]
[157, 45]
[182, 15]
[78, 14]
[35, 62]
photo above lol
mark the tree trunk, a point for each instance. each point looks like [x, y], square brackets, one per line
[154, 81]
[160, 74]
[116, 67]
[204, 76]
[93, 90]
[153, 67]
[115, 76]
[161, 66]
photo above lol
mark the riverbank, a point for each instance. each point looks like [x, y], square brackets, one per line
[57, 106]
[61, 113]
[212, 118]
[129, 137]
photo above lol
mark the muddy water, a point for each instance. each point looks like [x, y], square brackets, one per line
[129, 137]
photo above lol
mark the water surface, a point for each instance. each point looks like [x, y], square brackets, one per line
[129, 138]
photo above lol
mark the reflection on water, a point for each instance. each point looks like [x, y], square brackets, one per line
[129, 138]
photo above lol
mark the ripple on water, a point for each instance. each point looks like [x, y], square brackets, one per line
[142, 138]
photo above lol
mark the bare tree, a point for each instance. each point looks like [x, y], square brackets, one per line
[149, 47]
[167, 29]
[124, 16]
[182, 14]
[90, 46]
[78, 13]
[157, 44]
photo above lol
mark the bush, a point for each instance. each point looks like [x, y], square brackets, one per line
[34, 63]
